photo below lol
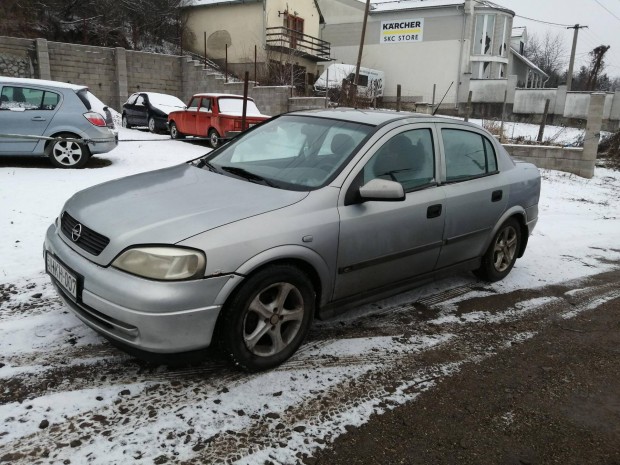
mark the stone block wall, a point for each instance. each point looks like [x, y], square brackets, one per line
[17, 57]
[154, 73]
[94, 67]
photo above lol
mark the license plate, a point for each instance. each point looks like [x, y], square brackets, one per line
[63, 276]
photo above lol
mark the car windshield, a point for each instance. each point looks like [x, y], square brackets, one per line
[234, 106]
[290, 152]
[165, 100]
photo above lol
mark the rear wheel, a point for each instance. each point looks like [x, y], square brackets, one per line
[67, 153]
[214, 138]
[501, 255]
[174, 131]
[266, 321]
[125, 122]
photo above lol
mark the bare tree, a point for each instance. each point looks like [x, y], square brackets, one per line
[549, 53]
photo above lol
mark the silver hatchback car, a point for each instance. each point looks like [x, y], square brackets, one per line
[54, 119]
[300, 217]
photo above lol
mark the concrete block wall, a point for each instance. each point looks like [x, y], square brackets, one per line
[94, 67]
[154, 73]
[570, 160]
[17, 57]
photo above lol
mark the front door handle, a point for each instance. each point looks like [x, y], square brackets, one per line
[497, 196]
[433, 211]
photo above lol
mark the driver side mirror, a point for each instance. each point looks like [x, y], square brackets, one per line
[382, 190]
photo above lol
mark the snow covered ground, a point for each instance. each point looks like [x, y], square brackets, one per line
[66, 394]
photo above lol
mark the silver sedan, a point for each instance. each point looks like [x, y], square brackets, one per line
[301, 217]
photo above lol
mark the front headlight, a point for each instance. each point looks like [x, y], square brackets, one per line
[162, 263]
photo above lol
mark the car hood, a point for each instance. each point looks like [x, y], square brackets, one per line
[168, 206]
[167, 109]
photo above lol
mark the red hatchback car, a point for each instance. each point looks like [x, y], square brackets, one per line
[215, 116]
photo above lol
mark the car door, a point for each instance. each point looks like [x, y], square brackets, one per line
[140, 111]
[25, 111]
[203, 117]
[130, 108]
[384, 242]
[187, 121]
[475, 193]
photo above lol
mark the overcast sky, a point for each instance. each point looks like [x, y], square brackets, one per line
[603, 26]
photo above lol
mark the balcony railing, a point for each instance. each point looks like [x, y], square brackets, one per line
[282, 38]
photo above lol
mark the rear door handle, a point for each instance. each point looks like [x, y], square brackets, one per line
[38, 118]
[433, 211]
[497, 196]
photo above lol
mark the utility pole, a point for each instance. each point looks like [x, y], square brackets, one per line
[569, 77]
[359, 55]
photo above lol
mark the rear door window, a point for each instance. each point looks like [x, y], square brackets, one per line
[468, 155]
[27, 98]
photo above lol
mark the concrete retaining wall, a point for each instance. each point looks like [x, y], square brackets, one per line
[17, 57]
[569, 160]
[154, 72]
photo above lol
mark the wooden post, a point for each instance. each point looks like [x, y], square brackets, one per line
[541, 131]
[433, 102]
[255, 64]
[468, 109]
[226, 64]
[398, 89]
[501, 127]
[245, 99]
[205, 63]
[327, 88]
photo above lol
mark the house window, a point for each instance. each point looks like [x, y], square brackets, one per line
[482, 70]
[503, 47]
[295, 26]
[483, 39]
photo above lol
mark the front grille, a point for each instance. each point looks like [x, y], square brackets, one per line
[89, 240]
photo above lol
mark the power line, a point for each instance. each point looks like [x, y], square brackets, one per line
[490, 4]
[607, 10]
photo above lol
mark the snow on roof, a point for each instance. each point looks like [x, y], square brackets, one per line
[41, 82]
[210, 2]
[393, 5]
[526, 61]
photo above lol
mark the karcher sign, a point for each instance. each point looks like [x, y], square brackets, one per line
[404, 30]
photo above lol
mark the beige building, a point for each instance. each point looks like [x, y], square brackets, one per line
[423, 45]
[284, 35]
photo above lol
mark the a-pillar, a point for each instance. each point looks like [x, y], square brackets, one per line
[593, 133]
[120, 56]
[43, 59]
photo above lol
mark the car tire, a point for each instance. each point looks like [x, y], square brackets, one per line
[174, 131]
[268, 318]
[214, 138]
[502, 253]
[67, 154]
[125, 122]
[151, 124]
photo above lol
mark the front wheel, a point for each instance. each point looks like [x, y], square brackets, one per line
[266, 321]
[67, 153]
[174, 131]
[501, 255]
[214, 138]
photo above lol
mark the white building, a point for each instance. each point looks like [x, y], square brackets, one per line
[420, 44]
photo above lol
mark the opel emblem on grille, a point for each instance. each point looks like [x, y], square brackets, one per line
[76, 232]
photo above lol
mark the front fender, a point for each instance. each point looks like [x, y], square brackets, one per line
[276, 254]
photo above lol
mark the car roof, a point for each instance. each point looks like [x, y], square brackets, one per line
[41, 82]
[374, 117]
[220, 95]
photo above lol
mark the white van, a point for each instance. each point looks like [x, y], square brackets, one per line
[370, 81]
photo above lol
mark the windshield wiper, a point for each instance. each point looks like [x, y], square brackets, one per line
[204, 163]
[248, 175]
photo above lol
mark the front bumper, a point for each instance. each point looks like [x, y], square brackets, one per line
[151, 316]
